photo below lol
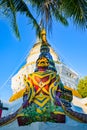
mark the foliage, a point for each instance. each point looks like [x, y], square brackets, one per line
[46, 11]
[10, 8]
[82, 87]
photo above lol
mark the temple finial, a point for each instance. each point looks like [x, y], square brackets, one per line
[43, 36]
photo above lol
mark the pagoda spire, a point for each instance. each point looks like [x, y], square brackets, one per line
[45, 52]
[43, 37]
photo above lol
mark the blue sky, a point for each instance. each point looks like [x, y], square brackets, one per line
[69, 42]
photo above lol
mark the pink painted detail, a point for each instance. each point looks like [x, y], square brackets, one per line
[0, 113]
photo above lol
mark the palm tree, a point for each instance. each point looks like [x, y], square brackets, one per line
[9, 10]
[46, 10]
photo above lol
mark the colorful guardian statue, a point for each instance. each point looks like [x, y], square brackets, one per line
[45, 98]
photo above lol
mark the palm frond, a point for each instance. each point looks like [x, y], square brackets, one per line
[21, 7]
[77, 10]
[47, 10]
[7, 10]
[62, 10]
[58, 13]
[12, 7]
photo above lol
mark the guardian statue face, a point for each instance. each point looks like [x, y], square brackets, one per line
[42, 62]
